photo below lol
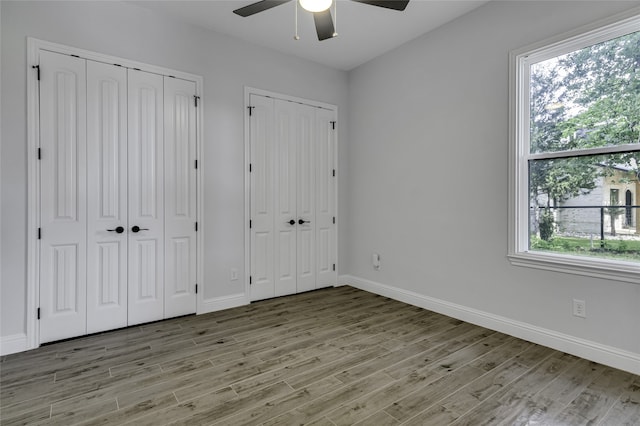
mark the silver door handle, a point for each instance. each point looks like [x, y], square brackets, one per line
[301, 221]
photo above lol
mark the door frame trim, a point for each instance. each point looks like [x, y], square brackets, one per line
[34, 46]
[248, 91]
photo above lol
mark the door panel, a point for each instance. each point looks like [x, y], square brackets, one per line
[285, 197]
[107, 203]
[262, 198]
[63, 211]
[146, 197]
[325, 196]
[305, 197]
[180, 197]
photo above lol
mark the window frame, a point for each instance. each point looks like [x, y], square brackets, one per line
[519, 109]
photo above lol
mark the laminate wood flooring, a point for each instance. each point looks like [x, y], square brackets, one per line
[337, 356]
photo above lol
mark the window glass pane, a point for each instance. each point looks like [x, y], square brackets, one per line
[587, 98]
[585, 206]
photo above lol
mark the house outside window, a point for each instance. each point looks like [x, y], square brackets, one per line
[575, 152]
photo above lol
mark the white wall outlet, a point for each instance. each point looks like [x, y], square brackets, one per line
[234, 274]
[375, 260]
[579, 308]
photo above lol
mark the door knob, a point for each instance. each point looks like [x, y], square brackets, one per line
[136, 228]
[292, 222]
[301, 221]
[119, 230]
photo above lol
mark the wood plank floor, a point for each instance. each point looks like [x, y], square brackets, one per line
[337, 356]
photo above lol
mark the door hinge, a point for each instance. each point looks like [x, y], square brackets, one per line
[250, 110]
[196, 226]
[334, 266]
[250, 168]
[38, 313]
[37, 68]
[334, 172]
[250, 280]
[39, 153]
[196, 288]
[333, 125]
[250, 223]
[334, 220]
[196, 98]
[195, 163]
[39, 233]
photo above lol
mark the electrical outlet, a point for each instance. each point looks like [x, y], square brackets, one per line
[234, 274]
[579, 308]
[375, 260]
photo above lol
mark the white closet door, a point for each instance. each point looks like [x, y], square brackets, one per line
[146, 197]
[305, 184]
[107, 200]
[180, 197]
[63, 210]
[325, 198]
[262, 189]
[284, 157]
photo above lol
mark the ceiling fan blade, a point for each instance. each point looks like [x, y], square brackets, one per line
[387, 4]
[260, 6]
[324, 24]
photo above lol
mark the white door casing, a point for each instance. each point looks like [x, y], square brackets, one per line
[146, 197]
[107, 205]
[63, 215]
[180, 197]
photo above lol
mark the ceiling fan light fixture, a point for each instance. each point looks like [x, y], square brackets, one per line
[315, 5]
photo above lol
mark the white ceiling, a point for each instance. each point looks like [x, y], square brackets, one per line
[364, 31]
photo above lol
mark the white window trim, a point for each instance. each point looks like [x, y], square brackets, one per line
[518, 251]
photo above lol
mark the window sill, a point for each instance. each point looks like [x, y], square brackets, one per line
[597, 268]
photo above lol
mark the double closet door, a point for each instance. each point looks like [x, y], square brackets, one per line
[293, 187]
[117, 196]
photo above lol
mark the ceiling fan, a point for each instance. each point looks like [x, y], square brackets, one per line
[320, 9]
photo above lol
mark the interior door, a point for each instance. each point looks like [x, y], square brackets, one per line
[107, 203]
[180, 197]
[325, 147]
[63, 208]
[146, 197]
[261, 197]
[305, 184]
[285, 205]
[292, 196]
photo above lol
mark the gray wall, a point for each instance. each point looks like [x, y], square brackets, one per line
[130, 32]
[428, 164]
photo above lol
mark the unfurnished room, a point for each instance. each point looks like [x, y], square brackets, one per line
[320, 212]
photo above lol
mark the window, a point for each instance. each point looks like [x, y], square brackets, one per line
[575, 151]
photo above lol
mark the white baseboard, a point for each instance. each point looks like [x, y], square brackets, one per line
[221, 303]
[13, 343]
[608, 355]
